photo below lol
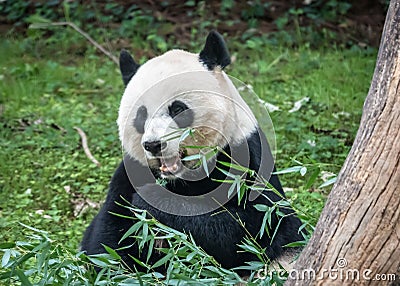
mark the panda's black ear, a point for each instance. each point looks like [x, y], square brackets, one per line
[127, 65]
[215, 52]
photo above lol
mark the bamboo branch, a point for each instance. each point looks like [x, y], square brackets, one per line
[79, 30]
[85, 146]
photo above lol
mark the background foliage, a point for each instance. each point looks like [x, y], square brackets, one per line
[310, 61]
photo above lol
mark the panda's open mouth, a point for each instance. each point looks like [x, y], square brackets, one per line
[171, 165]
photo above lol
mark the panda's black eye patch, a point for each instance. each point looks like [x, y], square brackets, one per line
[181, 113]
[176, 107]
[140, 119]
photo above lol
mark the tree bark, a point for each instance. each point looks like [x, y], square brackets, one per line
[359, 228]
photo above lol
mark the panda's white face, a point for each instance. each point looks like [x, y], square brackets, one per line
[173, 103]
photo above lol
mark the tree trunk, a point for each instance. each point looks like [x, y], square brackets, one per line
[357, 236]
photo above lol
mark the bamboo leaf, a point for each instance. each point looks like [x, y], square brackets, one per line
[312, 178]
[293, 169]
[7, 245]
[263, 225]
[295, 244]
[145, 233]
[163, 260]
[150, 250]
[140, 262]
[205, 166]
[6, 258]
[242, 191]
[262, 208]
[22, 277]
[97, 261]
[328, 182]
[231, 189]
[276, 229]
[112, 252]
[236, 167]
[192, 157]
[133, 229]
[303, 171]
[226, 173]
[185, 134]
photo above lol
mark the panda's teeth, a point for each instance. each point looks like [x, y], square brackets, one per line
[172, 169]
[169, 165]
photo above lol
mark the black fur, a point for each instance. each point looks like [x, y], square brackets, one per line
[218, 233]
[140, 119]
[128, 66]
[215, 52]
[181, 113]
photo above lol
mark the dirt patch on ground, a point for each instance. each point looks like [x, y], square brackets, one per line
[361, 24]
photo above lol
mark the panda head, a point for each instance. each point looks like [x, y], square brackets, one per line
[177, 101]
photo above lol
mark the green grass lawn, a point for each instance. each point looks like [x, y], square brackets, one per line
[47, 182]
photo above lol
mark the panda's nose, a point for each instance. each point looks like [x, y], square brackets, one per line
[154, 147]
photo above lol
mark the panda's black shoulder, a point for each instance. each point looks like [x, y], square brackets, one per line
[261, 157]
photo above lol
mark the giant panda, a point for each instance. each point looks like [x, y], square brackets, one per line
[171, 104]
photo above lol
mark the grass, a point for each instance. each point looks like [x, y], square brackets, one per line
[45, 91]
[43, 100]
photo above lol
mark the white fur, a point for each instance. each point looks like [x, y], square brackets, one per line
[179, 75]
